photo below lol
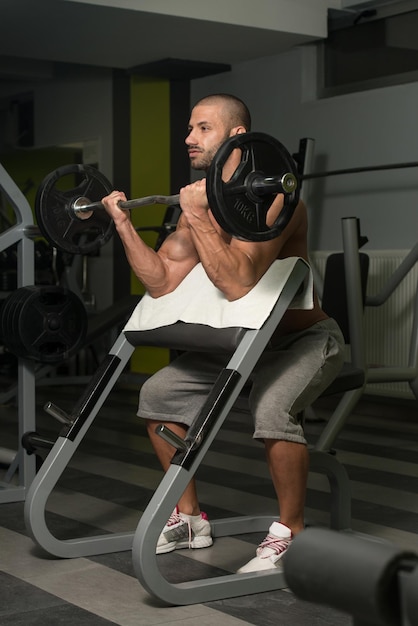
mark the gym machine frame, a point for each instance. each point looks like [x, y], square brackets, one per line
[190, 452]
[384, 374]
[18, 234]
[408, 373]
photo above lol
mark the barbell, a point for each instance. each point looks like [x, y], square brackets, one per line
[73, 218]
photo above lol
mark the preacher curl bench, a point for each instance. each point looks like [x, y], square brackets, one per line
[245, 346]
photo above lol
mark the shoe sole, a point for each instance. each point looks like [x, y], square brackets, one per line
[271, 567]
[198, 542]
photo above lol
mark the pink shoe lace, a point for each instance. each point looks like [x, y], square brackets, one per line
[175, 518]
[274, 543]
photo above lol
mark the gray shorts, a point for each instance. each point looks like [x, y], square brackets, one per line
[285, 381]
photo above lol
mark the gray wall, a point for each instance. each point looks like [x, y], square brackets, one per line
[77, 107]
[361, 129]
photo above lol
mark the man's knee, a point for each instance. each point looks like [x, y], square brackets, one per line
[154, 391]
[148, 389]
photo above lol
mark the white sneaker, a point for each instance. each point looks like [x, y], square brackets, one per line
[184, 531]
[270, 551]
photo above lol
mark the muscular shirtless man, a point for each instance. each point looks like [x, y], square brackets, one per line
[305, 355]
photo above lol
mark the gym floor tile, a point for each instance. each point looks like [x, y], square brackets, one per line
[112, 476]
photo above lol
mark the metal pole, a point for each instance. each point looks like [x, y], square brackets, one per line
[360, 170]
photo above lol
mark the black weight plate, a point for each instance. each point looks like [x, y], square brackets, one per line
[17, 345]
[236, 207]
[10, 312]
[59, 324]
[44, 323]
[10, 339]
[55, 215]
[4, 332]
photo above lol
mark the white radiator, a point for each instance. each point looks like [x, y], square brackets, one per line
[388, 327]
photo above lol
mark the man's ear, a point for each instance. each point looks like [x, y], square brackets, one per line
[237, 130]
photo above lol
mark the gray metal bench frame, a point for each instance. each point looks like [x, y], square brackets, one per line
[251, 344]
[22, 465]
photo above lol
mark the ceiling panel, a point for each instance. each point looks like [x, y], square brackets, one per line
[44, 31]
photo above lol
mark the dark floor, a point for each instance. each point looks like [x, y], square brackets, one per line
[112, 476]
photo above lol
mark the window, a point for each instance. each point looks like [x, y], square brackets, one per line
[361, 54]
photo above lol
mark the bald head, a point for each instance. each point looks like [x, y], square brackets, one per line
[233, 110]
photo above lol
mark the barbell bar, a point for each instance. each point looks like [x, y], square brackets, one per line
[260, 185]
[80, 209]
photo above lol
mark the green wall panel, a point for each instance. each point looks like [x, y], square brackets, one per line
[150, 175]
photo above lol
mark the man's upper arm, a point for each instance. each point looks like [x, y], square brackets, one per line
[179, 255]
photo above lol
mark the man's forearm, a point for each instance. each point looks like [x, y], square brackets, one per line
[147, 266]
[230, 270]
